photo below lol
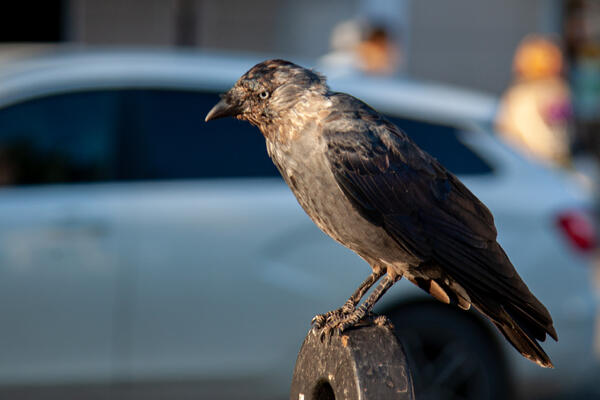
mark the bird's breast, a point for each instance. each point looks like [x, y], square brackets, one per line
[307, 171]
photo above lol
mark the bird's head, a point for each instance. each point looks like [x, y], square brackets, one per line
[267, 90]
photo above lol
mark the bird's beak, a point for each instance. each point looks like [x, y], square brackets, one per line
[222, 109]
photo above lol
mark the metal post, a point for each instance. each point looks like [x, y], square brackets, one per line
[364, 363]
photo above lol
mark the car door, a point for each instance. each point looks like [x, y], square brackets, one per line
[58, 252]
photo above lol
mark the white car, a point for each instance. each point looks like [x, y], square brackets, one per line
[143, 251]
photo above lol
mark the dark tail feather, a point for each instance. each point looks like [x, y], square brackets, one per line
[494, 287]
[521, 330]
[527, 346]
[497, 290]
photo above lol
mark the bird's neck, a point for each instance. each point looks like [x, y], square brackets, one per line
[286, 126]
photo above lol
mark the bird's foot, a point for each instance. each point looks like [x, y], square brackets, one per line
[335, 322]
[349, 315]
[321, 320]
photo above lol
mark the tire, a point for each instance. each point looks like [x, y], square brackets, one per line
[453, 355]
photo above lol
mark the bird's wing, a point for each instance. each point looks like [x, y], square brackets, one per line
[427, 211]
[393, 183]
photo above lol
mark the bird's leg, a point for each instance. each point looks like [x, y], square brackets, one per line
[349, 306]
[362, 311]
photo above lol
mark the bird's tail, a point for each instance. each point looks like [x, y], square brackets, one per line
[522, 328]
[496, 290]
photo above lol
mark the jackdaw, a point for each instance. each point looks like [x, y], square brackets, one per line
[366, 184]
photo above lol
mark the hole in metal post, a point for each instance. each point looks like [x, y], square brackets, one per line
[323, 391]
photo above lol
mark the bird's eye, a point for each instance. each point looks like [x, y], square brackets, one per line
[263, 95]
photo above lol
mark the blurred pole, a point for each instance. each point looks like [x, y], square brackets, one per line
[551, 16]
[185, 23]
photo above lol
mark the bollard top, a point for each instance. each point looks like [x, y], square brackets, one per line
[364, 363]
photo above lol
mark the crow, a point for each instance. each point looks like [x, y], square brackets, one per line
[366, 184]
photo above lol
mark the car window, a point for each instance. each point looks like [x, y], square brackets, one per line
[62, 138]
[145, 134]
[442, 142]
[164, 136]
[128, 134]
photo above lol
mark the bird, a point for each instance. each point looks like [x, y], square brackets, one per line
[367, 185]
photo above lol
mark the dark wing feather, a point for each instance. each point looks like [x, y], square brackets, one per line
[432, 216]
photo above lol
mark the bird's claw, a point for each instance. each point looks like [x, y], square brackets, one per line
[334, 323]
[318, 320]
[331, 317]
[327, 332]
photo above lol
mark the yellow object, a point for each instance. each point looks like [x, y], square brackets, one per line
[523, 121]
[537, 57]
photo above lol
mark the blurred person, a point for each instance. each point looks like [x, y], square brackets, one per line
[361, 48]
[535, 110]
[378, 52]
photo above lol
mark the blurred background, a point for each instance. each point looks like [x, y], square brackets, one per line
[440, 42]
[146, 254]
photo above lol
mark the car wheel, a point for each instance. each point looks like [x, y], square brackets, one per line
[453, 356]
